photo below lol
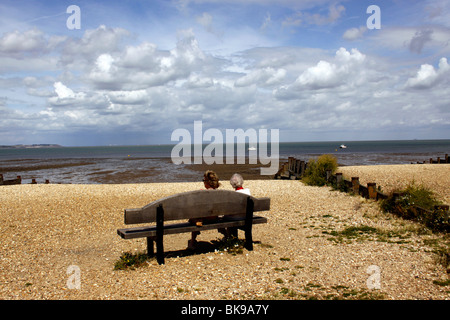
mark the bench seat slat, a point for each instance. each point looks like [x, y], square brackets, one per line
[150, 231]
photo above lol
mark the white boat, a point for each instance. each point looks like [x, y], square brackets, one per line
[343, 146]
[252, 149]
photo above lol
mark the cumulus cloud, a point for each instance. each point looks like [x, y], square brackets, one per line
[62, 91]
[343, 71]
[428, 76]
[144, 65]
[79, 51]
[16, 42]
[124, 85]
[262, 77]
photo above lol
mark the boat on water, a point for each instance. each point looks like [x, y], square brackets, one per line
[252, 149]
[342, 146]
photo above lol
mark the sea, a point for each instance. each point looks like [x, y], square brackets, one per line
[153, 163]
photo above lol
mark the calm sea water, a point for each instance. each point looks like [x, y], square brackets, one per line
[152, 163]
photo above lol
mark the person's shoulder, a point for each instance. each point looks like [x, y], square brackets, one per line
[245, 190]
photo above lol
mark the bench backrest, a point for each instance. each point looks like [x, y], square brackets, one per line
[196, 204]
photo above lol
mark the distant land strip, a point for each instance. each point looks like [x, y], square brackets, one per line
[29, 146]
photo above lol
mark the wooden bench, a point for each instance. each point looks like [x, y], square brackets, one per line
[234, 209]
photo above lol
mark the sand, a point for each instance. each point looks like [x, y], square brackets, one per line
[46, 229]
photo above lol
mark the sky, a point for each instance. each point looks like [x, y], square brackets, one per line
[131, 72]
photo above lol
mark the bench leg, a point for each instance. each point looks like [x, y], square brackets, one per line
[234, 232]
[248, 225]
[150, 247]
[159, 235]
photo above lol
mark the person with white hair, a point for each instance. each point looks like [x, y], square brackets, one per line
[237, 182]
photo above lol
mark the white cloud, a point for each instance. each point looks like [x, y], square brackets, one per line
[104, 62]
[111, 80]
[206, 21]
[417, 40]
[77, 52]
[129, 97]
[62, 91]
[428, 76]
[16, 42]
[299, 18]
[323, 75]
[345, 70]
[263, 77]
[354, 33]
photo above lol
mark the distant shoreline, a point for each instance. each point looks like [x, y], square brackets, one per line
[31, 146]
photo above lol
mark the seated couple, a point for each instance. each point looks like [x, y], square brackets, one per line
[211, 181]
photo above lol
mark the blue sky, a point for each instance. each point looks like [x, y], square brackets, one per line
[136, 71]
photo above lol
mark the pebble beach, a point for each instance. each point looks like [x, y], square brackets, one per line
[298, 254]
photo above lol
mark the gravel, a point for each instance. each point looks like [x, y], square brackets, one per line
[45, 229]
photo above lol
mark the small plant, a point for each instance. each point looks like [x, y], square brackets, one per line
[232, 245]
[130, 261]
[316, 171]
[442, 283]
[416, 202]
[355, 232]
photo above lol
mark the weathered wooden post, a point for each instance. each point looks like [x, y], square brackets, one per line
[33, 181]
[446, 158]
[47, 181]
[298, 168]
[438, 159]
[291, 163]
[328, 175]
[1, 179]
[338, 178]
[372, 187]
[355, 185]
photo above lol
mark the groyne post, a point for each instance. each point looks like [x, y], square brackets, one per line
[355, 185]
[372, 187]
[338, 178]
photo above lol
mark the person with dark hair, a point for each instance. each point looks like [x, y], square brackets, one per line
[210, 181]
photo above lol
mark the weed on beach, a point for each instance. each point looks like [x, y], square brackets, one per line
[315, 291]
[131, 261]
[418, 203]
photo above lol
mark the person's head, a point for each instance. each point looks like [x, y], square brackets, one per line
[211, 180]
[236, 181]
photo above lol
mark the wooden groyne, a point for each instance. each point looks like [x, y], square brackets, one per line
[353, 186]
[292, 169]
[371, 192]
[295, 169]
[3, 182]
[18, 180]
[438, 160]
